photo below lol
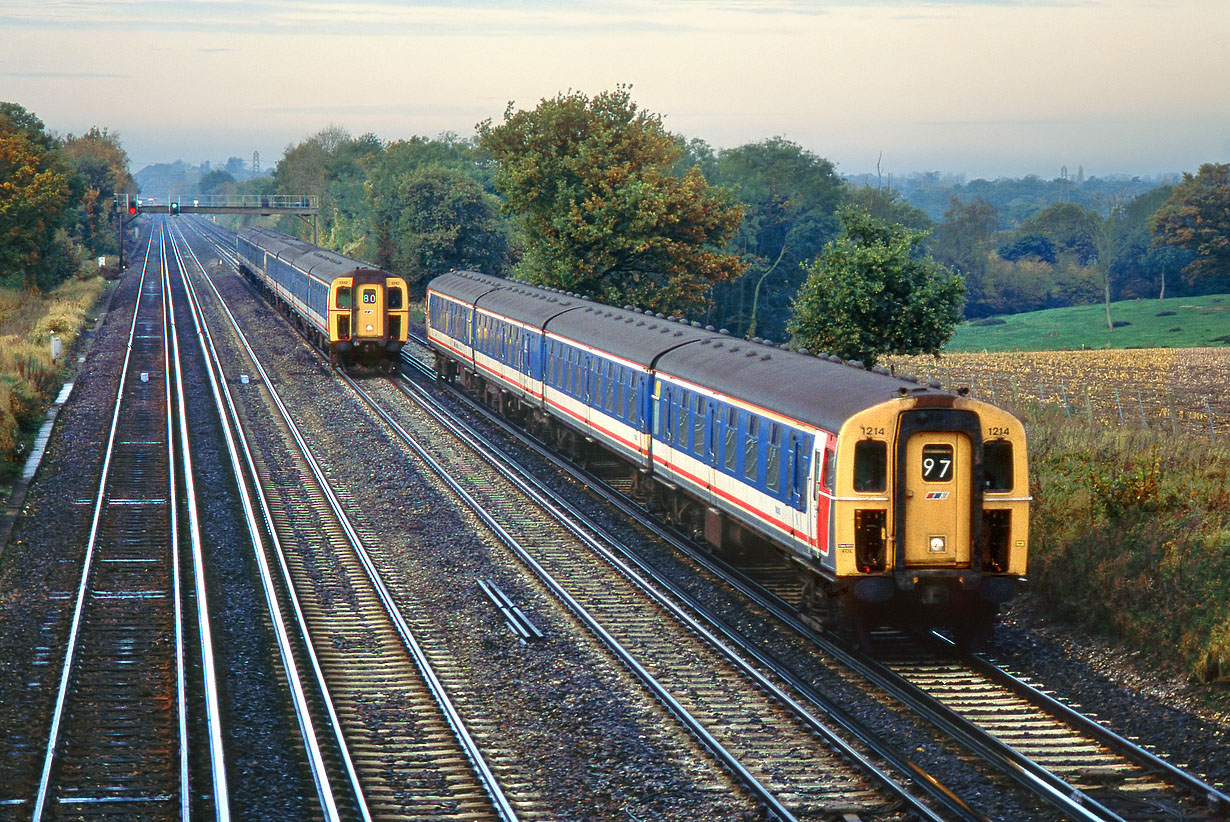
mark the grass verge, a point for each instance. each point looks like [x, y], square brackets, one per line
[28, 376]
[1131, 536]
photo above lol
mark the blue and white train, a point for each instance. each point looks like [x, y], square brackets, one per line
[892, 498]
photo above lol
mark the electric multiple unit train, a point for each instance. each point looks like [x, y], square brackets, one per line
[355, 311]
[896, 501]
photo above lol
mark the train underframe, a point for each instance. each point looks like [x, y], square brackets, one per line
[845, 606]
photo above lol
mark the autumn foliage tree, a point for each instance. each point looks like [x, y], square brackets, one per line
[603, 212]
[35, 193]
[875, 291]
[1197, 218]
[101, 164]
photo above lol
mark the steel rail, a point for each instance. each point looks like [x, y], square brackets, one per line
[213, 706]
[87, 564]
[603, 544]
[181, 685]
[500, 801]
[1217, 800]
[222, 397]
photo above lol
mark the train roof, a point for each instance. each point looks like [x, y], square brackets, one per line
[818, 390]
[639, 338]
[811, 389]
[320, 262]
[466, 286]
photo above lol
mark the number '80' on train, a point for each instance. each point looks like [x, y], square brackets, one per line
[895, 501]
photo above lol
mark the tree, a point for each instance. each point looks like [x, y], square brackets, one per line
[433, 219]
[35, 194]
[874, 291]
[1108, 231]
[790, 198]
[887, 204]
[1142, 266]
[603, 213]
[1197, 218]
[1029, 245]
[101, 164]
[963, 242]
[1072, 229]
[331, 165]
[216, 182]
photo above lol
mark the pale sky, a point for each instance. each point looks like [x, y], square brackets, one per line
[986, 88]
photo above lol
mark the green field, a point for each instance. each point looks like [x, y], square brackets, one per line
[1179, 322]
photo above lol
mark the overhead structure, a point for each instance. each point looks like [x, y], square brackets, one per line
[259, 204]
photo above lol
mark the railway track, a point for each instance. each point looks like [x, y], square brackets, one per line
[790, 760]
[408, 750]
[118, 742]
[763, 726]
[1068, 761]
[1073, 788]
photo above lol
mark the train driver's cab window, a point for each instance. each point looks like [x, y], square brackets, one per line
[394, 298]
[997, 465]
[343, 297]
[870, 465]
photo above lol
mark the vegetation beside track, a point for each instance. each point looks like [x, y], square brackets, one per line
[28, 376]
[1130, 536]
[1130, 463]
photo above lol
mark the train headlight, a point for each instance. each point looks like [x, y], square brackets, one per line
[937, 545]
[369, 328]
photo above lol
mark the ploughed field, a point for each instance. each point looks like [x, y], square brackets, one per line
[1172, 388]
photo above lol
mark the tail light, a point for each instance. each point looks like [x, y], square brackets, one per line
[869, 540]
[997, 526]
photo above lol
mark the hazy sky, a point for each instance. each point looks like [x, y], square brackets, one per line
[981, 87]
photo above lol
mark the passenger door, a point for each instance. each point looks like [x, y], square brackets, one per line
[937, 513]
[369, 311]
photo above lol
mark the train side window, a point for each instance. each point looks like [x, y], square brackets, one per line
[343, 296]
[751, 449]
[830, 470]
[870, 465]
[681, 421]
[699, 415]
[773, 463]
[730, 453]
[997, 465]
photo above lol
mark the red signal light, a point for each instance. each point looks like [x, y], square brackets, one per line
[132, 207]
